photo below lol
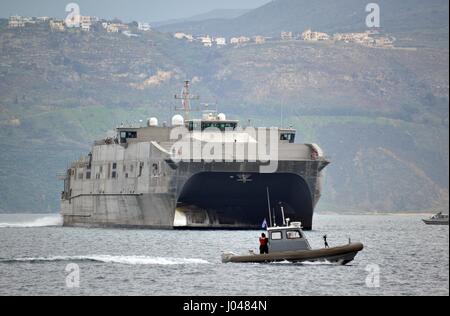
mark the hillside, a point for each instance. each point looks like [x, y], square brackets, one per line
[211, 15]
[413, 22]
[380, 114]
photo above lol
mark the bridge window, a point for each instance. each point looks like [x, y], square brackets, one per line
[155, 170]
[290, 137]
[222, 126]
[276, 236]
[127, 135]
[293, 234]
[193, 126]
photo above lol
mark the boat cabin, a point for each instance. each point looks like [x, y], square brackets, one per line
[287, 238]
[440, 215]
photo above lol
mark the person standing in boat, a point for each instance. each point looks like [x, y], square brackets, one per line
[325, 239]
[263, 244]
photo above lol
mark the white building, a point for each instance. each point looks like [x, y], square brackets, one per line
[361, 38]
[384, 42]
[179, 35]
[239, 40]
[309, 35]
[145, 27]
[16, 22]
[116, 28]
[183, 36]
[86, 23]
[112, 28]
[234, 41]
[207, 41]
[287, 36]
[85, 26]
[260, 39]
[28, 20]
[244, 39]
[88, 19]
[221, 41]
[57, 26]
[43, 19]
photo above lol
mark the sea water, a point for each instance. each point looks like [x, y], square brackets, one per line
[402, 256]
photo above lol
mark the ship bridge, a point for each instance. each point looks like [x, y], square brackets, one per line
[201, 125]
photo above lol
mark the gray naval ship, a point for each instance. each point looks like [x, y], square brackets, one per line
[137, 180]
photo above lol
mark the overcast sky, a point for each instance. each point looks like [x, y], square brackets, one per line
[128, 10]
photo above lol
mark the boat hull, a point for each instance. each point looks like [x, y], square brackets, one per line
[435, 222]
[342, 255]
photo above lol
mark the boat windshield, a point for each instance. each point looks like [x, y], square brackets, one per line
[276, 235]
[293, 234]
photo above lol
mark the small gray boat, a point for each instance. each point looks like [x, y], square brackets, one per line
[438, 219]
[289, 244]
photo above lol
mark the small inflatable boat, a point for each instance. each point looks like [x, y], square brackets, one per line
[289, 244]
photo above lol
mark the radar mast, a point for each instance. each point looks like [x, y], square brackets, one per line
[186, 98]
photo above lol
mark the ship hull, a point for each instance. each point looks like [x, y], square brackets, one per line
[149, 211]
[207, 196]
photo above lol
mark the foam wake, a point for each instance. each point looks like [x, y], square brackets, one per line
[320, 263]
[47, 221]
[307, 263]
[130, 260]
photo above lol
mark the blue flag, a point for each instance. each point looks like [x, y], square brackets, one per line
[264, 224]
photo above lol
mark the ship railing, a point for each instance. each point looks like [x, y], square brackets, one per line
[106, 141]
[61, 176]
[99, 142]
